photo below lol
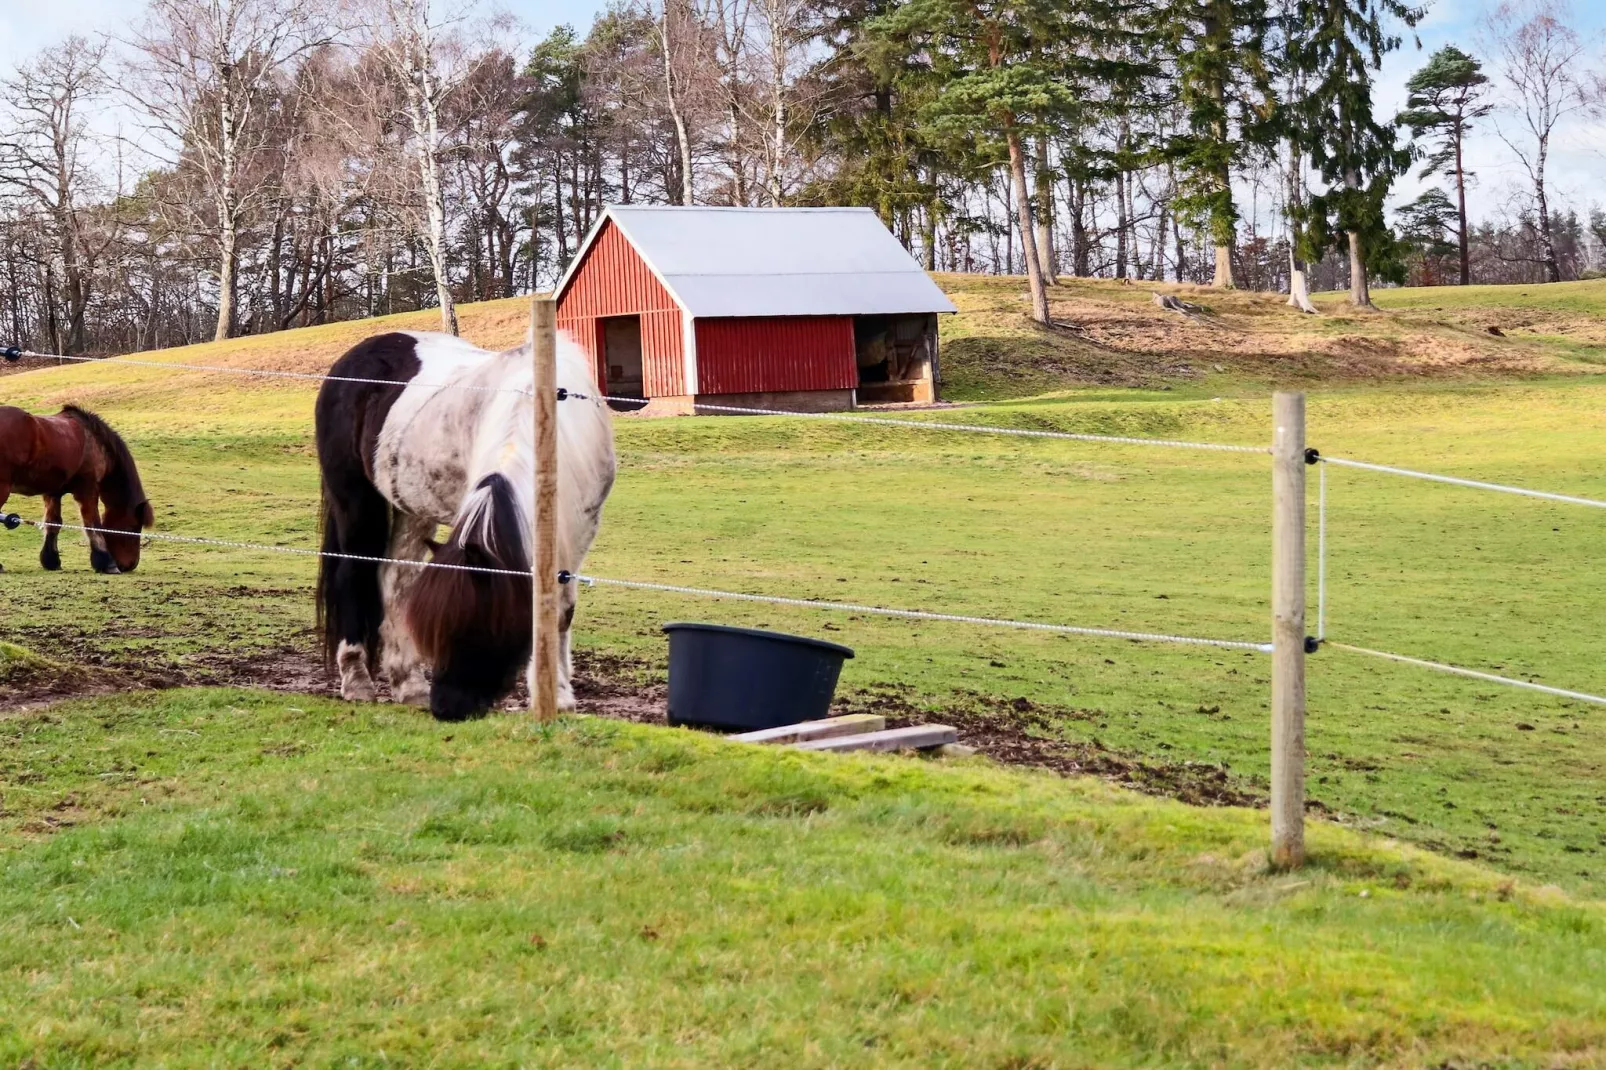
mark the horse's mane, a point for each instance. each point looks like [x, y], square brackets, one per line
[121, 485]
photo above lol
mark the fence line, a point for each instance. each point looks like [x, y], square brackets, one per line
[915, 614]
[1459, 482]
[262, 372]
[807, 603]
[934, 425]
[12, 520]
[1456, 670]
[296, 551]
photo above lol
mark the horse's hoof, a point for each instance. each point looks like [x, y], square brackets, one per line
[358, 692]
[102, 562]
[413, 691]
[50, 562]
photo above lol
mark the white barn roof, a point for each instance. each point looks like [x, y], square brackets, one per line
[775, 261]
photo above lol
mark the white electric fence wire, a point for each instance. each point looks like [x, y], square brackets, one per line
[1456, 670]
[978, 429]
[1474, 483]
[1321, 554]
[191, 540]
[271, 374]
[914, 614]
[909, 614]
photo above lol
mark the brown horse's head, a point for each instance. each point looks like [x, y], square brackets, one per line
[125, 508]
[124, 548]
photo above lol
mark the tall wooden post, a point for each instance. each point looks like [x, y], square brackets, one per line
[1288, 630]
[544, 531]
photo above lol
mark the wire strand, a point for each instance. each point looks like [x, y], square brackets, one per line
[1456, 670]
[192, 540]
[932, 425]
[1476, 484]
[273, 374]
[1321, 554]
[915, 614]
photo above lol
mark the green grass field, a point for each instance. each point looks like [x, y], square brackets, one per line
[855, 904]
[218, 878]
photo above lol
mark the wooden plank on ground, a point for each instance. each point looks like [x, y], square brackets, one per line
[827, 728]
[915, 737]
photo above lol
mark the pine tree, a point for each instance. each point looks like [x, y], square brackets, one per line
[991, 64]
[1446, 96]
[1337, 46]
[1224, 86]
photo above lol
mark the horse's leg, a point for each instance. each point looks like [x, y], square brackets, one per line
[49, 556]
[99, 559]
[399, 655]
[5, 492]
[569, 597]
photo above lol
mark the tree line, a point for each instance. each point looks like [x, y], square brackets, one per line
[237, 167]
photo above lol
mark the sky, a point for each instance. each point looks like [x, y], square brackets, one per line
[26, 26]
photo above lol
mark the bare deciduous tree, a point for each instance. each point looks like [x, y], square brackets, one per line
[1542, 65]
[203, 73]
[424, 59]
[43, 154]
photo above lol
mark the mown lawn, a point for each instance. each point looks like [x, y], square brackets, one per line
[204, 878]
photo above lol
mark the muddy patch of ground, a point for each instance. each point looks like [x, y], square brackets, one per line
[1010, 731]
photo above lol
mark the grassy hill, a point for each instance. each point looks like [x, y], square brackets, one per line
[331, 881]
[206, 878]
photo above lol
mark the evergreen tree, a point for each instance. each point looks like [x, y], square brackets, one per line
[1446, 96]
[1337, 46]
[1224, 86]
[992, 68]
[1426, 226]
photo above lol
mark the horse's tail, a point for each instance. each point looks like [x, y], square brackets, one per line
[474, 626]
[329, 542]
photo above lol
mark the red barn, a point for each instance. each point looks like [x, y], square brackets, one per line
[810, 309]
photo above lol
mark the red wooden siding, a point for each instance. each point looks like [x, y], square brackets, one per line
[749, 356]
[613, 280]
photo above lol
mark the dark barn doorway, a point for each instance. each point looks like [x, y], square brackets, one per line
[897, 358]
[621, 356]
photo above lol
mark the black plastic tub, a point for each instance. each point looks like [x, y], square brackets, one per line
[743, 679]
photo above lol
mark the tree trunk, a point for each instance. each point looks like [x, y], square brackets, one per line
[1223, 276]
[1044, 179]
[227, 205]
[1298, 282]
[1120, 224]
[1360, 290]
[1547, 243]
[227, 286]
[427, 137]
[1081, 260]
[682, 140]
[1461, 211]
[1023, 215]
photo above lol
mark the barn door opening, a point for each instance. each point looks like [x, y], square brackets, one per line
[621, 356]
[897, 358]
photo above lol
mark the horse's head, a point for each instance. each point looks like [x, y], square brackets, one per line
[474, 626]
[127, 522]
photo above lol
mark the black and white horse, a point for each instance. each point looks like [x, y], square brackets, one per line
[398, 462]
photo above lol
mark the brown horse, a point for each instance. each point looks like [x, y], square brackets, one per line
[75, 452]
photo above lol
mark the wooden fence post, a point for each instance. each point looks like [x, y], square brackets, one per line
[544, 531]
[1288, 630]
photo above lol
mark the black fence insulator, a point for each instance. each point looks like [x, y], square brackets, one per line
[1312, 644]
[11, 353]
[564, 394]
[1312, 455]
[10, 521]
[565, 576]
